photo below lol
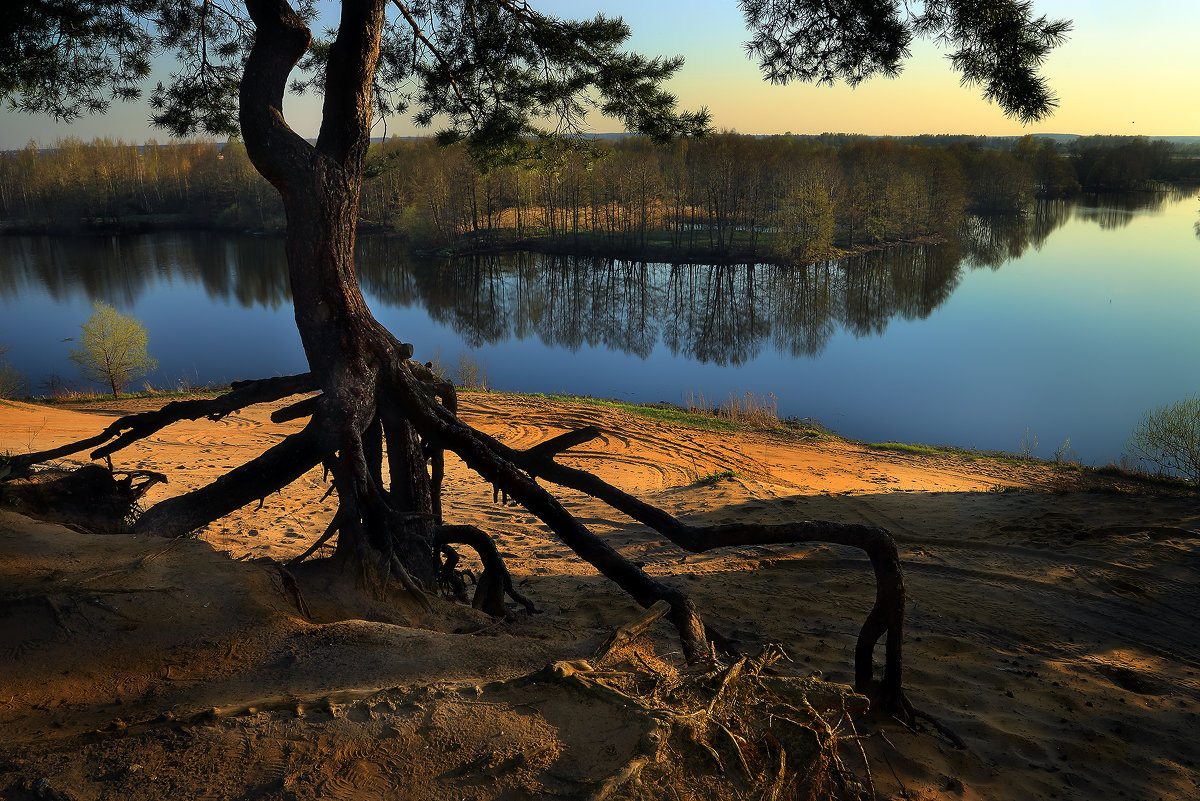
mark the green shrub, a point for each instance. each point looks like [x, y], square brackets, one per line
[112, 348]
[1169, 438]
[12, 381]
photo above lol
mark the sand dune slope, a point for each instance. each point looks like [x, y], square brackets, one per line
[1052, 635]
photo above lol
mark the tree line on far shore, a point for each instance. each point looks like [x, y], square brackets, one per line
[725, 196]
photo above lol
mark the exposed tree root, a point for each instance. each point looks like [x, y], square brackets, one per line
[291, 590]
[514, 472]
[131, 428]
[401, 573]
[277, 467]
[942, 729]
[886, 616]
[495, 581]
[386, 410]
[91, 498]
[330, 531]
[768, 737]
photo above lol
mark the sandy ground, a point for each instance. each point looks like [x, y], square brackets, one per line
[1051, 627]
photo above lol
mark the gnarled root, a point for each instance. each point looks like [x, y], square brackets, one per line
[514, 472]
[381, 405]
[495, 582]
[887, 613]
[129, 429]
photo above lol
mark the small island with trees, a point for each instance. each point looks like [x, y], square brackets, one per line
[723, 198]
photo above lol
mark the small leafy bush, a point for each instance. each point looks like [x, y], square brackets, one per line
[1169, 438]
[12, 381]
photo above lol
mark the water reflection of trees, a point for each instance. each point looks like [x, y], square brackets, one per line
[994, 241]
[714, 314]
[861, 295]
[722, 314]
[717, 314]
[249, 271]
[1113, 210]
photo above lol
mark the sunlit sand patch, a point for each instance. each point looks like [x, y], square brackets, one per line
[1047, 631]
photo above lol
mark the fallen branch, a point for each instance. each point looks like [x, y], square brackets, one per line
[626, 632]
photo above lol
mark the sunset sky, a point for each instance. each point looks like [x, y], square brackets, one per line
[1128, 68]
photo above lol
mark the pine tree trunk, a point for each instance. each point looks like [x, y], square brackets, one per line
[352, 357]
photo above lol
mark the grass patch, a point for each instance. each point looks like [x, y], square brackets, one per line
[905, 447]
[88, 397]
[668, 414]
[918, 449]
[713, 419]
[1142, 477]
[713, 478]
[1130, 476]
[759, 411]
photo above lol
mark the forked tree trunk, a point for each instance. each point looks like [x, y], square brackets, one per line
[350, 354]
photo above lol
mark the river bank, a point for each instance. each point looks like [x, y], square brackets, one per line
[1047, 629]
[656, 247]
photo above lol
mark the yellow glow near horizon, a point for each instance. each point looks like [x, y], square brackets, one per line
[1127, 69]
[927, 98]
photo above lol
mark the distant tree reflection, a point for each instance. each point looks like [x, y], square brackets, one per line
[245, 270]
[994, 241]
[803, 308]
[1113, 210]
[716, 314]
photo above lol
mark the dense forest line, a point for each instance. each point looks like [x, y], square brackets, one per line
[727, 196]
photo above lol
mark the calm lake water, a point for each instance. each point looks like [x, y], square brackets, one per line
[1068, 323]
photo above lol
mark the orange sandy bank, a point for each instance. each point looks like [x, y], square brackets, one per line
[1054, 633]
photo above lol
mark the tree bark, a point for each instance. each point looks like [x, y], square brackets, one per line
[346, 348]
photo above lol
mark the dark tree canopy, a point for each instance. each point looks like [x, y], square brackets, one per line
[66, 58]
[504, 76]
[996, 44]
[498, 70]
